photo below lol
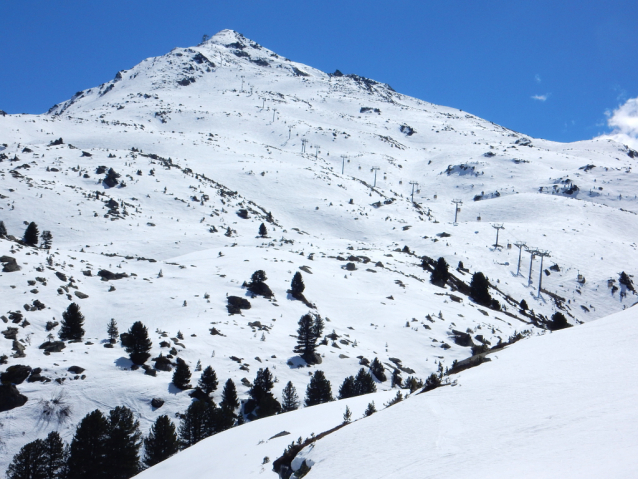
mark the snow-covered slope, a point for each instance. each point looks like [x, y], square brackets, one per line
[202, 133]
[560, 405]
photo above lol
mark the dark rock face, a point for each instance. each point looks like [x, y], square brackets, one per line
[53, 346]
[107, 275]
[76, 370]
[10, 397]
[236, 304]
[462, 339]
[157, 403]
[10, 264]
[61, 276]
[15, 374]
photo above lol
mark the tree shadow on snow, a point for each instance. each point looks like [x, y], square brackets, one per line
[123, 363]
[295, 362]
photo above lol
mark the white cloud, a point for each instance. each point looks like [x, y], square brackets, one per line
[624, 123]
[541, 97]
[537, 77]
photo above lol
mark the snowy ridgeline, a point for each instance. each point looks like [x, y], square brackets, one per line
[154, 185]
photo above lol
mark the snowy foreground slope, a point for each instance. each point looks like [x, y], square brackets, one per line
[213, 140]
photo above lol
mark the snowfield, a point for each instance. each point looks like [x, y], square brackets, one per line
[213, 140]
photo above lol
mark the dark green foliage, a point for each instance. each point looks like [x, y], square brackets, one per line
[413, 383]
[440, 275]
[182, 375]
[123, 444]
[289, 400]
[424, 262]
[28, 463]
[54, 455]
[479, 289]
[208, 381]
[258, 276]
[370, 410]
[524, 306]
[432, 382]
[319, 390]
[559, 321]
[31, 235]
[625, 280]
[161, 442]
[111, 330]
[71, 324]
[263, 232]
[347, 416]
[47, 239]
[396, 399]
[397, 380]
[138, 344]
[347, 388]
[296, 286]
[229, 396]
[197, 423]
[364, 383]
[3, 230]
[309, 331]
[88, 451]
[261, 393]
[378, 370]
[258, 286]
[111, 177]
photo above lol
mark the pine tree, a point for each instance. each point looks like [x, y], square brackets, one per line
[524, 306]
[370, 410]
[87, 457]
[363, 383]
[111, 178]
[72, 322]
[290, 400]
[138, 343]
[258, 277]
[182, 375]
[559, 321]
[432, 382]
[319, 390]
[31, 235]
[263, 232]
[347, 416]
[397, 380]
[3, 230]
[197, 423]
[123, 444]
[161, 442]
[47, 239]
[347, 389]
[296, 286]
[440, 275]
[54, 455]
[29, 462]
[261, 394]
[309, 331]
[378, 370]
[208, 381]
[229, 396]
[111, 330]
[479, 289]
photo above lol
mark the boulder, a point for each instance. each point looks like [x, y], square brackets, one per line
[9, 264]
[10, 397]
[61, 276]
[106, 275]
[15, 374]
[76, 370]
[53, 346]
[157, 403]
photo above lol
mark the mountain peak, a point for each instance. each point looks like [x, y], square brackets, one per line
[228, 37]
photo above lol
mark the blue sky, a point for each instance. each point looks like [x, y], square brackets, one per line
[549, 69]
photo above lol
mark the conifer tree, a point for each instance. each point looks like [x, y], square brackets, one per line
[296, 286]
[229, 396]
[378, 370]
[123, 444]
[479, 289]
[263, 232]
[440, 275]
[161, 442]
[559, 321]
[347, 389]
[111, 330]
[87, 456]
[47, 239]
[54, 455]
[347, 416]
[363, 383]
[72, 322]
[3, 230]
[111, 177]
[138, 343]
[262, 395]
[397, 380]
[258, 277]
[319, 390]
[290, 400]
[208, 381]
[370, 410]
[197, 423]
[432, 382]
[29, 462]
[309, 331]
[31, 235]
[182, 375]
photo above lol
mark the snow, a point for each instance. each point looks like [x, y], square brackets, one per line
[219, 131]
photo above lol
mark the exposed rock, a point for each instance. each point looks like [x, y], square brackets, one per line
[462, 339]
[10, 264]
[15, 374]
[76, 370]
[107, 275]
[10, 333]
[157, 403]
[10, 397]
[52, 346]
[81, 295]
[61, 276]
